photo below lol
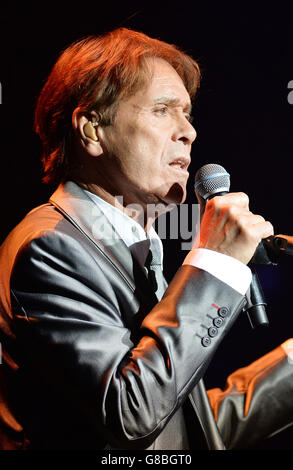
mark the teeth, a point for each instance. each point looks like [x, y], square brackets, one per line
[178, 162]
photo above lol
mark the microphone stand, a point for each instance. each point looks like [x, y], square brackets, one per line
[268, 252]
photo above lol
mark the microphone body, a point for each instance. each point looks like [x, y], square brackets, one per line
[213, 180]
[256, 304]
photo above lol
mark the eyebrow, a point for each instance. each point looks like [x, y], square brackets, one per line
[173, 101]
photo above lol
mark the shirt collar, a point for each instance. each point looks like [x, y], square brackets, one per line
[130, 231]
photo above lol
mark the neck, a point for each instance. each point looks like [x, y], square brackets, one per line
[144, 214]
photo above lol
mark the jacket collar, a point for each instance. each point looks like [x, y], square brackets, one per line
[87, 217]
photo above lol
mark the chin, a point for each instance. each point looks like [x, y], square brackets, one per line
[176, 194]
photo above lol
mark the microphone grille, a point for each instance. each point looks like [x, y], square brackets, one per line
[211, 179]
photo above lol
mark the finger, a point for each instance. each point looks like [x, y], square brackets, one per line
[267, 229]
[260, 224]
[257, 227]
[239, 199]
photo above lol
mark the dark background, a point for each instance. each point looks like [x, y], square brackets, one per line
[242, 115]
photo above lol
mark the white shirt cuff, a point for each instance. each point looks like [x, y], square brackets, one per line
[229, 270]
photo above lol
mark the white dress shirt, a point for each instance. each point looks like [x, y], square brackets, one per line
[229, 270]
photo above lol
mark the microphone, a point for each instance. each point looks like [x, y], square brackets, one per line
[213, 180]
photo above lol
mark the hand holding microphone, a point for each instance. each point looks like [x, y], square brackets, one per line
[229, 227]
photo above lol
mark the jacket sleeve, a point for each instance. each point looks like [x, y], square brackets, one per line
[70, 322]
[256, 401]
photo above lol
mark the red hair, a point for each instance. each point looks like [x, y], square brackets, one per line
[94, 74]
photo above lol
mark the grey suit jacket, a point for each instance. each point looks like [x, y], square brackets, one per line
[92, 360]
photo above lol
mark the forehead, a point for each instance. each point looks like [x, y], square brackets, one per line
[163, 81]
[164, 75]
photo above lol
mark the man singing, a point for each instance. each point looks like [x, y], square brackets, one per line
[98, 352]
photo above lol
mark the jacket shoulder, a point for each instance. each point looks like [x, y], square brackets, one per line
[38, 221]
[40, 224]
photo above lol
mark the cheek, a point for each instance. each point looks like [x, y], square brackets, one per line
[141, 150]
[146, 150]
[155, 146]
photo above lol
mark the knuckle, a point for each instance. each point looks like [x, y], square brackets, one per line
[215, 201]
[234, 212]
[244, 197]
[242, 222]
[236, 215]
[214, 205]
[252, 237]
[232, 216]
[258, 218]
[269, 229]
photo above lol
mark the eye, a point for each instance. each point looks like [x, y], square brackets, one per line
[189, 118]
[162, 110]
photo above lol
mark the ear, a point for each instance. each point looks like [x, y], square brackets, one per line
[86, 130]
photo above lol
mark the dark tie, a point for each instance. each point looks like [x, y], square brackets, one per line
[155, 269]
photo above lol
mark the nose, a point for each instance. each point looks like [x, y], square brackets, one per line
[185, 132]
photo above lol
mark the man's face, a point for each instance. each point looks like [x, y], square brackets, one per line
[147, 149]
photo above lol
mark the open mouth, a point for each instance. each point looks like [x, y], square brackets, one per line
[180, 164]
